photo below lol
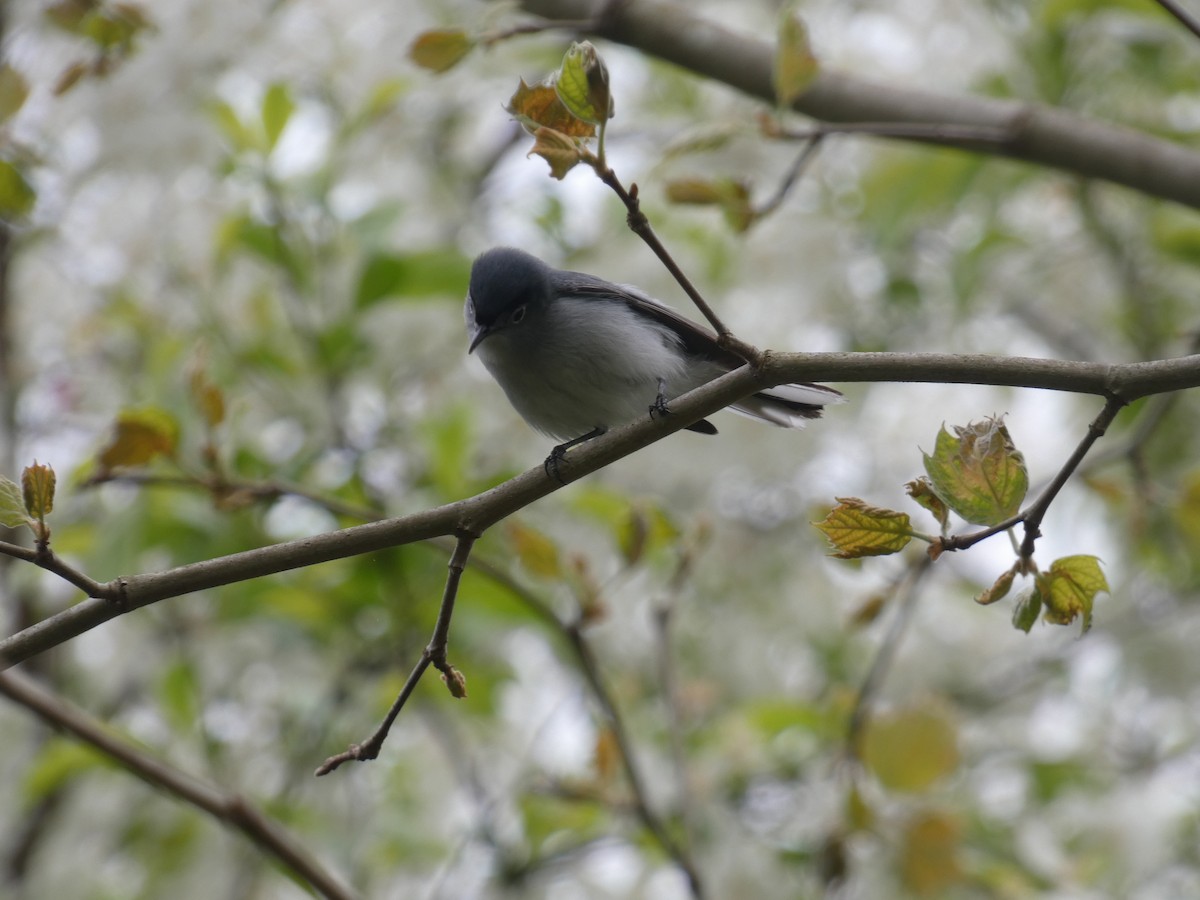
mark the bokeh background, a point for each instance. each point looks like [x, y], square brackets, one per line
[268, 203]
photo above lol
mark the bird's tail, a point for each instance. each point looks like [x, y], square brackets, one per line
[788, 405]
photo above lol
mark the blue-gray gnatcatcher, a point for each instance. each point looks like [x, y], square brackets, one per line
[578, 355]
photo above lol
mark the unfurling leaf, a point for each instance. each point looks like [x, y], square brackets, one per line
[1069, 589]
[999, 588]
[535, 551]
[456, 681]
[921, 490]
[978, 472]
[1027, 610]
[140, 436]
[856, 529]
[539, 107]
[441, 49]
[582, 84]
[37, 488]
[12, 505]
[909, 749]
[795, 65]
[563, 153]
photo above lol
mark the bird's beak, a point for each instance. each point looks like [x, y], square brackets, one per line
[478, 333]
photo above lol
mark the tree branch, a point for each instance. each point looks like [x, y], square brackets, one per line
[434, 654]
[230, 809]
[1039, 134]
[1127, 381]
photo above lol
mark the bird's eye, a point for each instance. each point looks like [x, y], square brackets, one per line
[518, 315]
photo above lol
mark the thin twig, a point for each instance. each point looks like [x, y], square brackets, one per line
[798, 167]
[1032, 515]
[886, 653]
[225, 489]
[1037, 512]
[651, 821]
[1186, 19]
[231, 809]
[434, 654]
[640, 225]
[43, 557]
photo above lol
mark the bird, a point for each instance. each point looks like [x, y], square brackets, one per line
[577, 355]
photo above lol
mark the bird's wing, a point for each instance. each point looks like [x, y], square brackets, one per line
[696, 339]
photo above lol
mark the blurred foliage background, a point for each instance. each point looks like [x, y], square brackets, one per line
[244, 230]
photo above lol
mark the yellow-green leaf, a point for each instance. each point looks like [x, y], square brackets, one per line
[1070, 587]
[12, 504]
[535, 551]
[277, 109]
[37, 489]
[731, 195]
[856, 529]
[538, 106]
[582, 84]
[910, 749]
[139, 436]
[795, 65]
[929, 853]
[16, 194]
[1027, 609]
[440, 49]
[978, 472]
[13, 91]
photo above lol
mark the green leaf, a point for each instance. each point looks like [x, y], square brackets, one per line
[910, 749]
[856, 530]
[56, 764]
[239, 136]
[1027, 609]
[1070, 587]
[277, 109]
[440, 49]
[17, 196]
[267, 242]
[178, 692]
[430, 273]
[582, 84]
[12, 504]
[978, 472]
[13, 91]
[795, 65]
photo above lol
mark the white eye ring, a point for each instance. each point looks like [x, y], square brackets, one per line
[518, 315]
